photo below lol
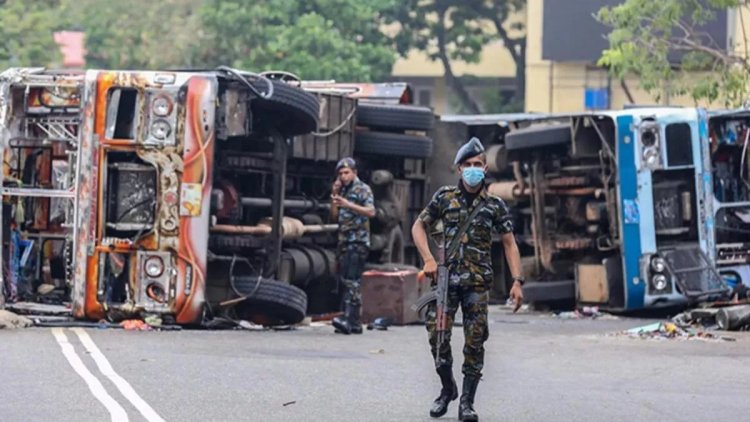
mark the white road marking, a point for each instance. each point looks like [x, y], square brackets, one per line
[106, 369]
[116, 412]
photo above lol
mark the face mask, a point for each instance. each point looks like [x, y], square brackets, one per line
[473, 176]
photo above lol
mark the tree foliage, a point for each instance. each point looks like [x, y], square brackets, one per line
[666, 45]
[346, 40]
[26, 33]
[135, 34]
[448, 31]
[317, 39]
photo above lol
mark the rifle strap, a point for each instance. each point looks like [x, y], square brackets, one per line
[453, 245]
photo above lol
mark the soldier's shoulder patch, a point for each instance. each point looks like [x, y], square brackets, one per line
[447, 189]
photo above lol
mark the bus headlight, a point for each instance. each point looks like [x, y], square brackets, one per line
[161, 106]
[659, 282]
[160, 129]
[154, 266]
[651, 156]
[658, 265]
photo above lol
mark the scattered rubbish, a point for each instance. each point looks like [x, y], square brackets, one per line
[512, 305]
[381, 324]
[222, 323]
[283, 328]
[377, 351]
[247, 325]
[727, 316]
[10, 320]
[153, 320]
[734, 318]
[587, 312]
[670, 330]
[135, 325]
[289, 403]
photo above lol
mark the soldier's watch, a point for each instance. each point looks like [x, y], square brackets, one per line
[519, 279]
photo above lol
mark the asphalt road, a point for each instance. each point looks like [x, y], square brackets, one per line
[538, 368]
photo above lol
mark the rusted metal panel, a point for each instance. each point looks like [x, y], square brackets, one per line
[393, 93]
[592, 283]
[335, 136]
[390, 295]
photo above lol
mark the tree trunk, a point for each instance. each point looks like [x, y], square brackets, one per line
[458, 87]
[455, 83]
[520, 95]
[517, 49]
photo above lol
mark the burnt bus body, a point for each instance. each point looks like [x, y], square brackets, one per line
[125, 228]
[188, 195]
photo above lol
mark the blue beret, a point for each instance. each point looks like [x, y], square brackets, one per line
[470, 149]
[346, 162]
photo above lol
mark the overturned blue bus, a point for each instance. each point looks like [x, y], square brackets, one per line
[632, 209]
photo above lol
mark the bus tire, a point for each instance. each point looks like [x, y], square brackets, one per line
[393, 144]
[290, 110]
[395, 117]
[270, 302]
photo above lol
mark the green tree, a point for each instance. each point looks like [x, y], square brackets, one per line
[449, 30]
[135, 34]
[647, 35]
[316, 39]
[26, 33]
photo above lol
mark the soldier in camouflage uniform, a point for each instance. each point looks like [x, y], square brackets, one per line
[352, 206]
[470, 271]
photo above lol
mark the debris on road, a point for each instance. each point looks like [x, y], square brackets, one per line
[289, 403]
[135, 325]
[381, 324]
[670, 330]
[587, 312]
[153, 320]
[734, 318]
[10, 320]
[728, 316]
[510, 305]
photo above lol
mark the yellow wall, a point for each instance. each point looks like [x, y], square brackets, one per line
[495, 62]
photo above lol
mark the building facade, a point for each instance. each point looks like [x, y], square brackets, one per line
[564, 43]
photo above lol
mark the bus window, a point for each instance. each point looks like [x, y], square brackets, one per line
[121, 113]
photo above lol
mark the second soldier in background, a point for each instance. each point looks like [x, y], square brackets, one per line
[352, 206]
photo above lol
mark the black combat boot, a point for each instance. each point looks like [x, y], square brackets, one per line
[355, 326]
[466, 406]
[341, 323]
[349, 323]
[448, 393]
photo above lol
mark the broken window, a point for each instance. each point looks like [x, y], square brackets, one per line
[122, 116]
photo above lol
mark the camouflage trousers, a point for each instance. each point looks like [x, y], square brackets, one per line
[352, 259]
[473, 301]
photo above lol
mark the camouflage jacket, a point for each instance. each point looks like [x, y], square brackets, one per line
[354, 229]
[471, 263]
